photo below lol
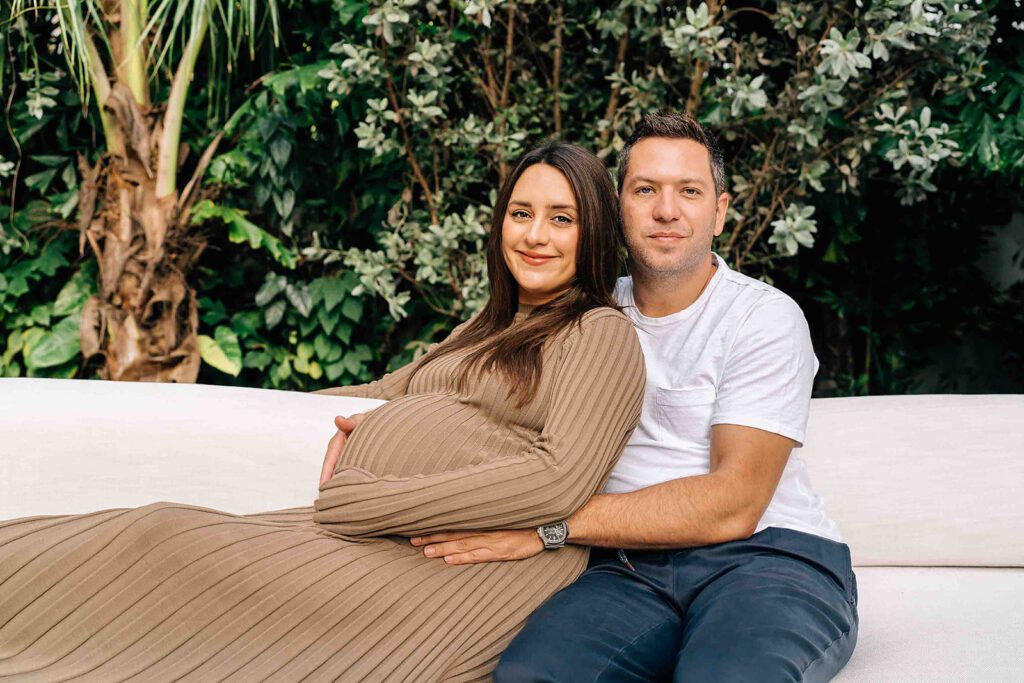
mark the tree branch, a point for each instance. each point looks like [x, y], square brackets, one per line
[697, 76]
[509, 45]
[557, 69]
[613, 97]
[417, 170]
[503, 98]
[755, 189]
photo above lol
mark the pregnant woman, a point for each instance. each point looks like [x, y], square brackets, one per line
[514, 420]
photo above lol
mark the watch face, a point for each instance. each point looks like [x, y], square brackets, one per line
[555, 533]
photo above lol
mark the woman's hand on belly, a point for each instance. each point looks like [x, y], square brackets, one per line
[474, 547]
[345, 425]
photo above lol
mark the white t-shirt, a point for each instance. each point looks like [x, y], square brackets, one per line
[740, 354]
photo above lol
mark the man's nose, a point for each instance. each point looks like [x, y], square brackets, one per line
[666, 208]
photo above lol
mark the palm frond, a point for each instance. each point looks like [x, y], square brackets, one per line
[166, 29]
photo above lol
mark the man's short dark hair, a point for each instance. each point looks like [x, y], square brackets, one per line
[670, 124]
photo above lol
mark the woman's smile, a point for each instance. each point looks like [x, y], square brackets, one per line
[535, 259]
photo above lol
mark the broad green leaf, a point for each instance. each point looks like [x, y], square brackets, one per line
[272, 286]
[351, 363]
[59, 346]
[222, 352]
[307, 325]
[280, 150]
[335, 370]
[274, 313]
[40, 182]
[315, 371]
[299, 297]
[323, 346]
[334, 291]
[257, 359]
[40, 315]
[352, 309]
[75, 293]
[50, 160]
[284, 370]
[327, 319]
[50, 260]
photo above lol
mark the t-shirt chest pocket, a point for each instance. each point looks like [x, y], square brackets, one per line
[684, 414]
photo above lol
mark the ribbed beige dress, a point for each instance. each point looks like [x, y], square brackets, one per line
[336, 592]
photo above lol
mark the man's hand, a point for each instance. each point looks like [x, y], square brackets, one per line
[345, 425]
[474, 547]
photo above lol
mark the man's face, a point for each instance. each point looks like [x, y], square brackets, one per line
[670, 212]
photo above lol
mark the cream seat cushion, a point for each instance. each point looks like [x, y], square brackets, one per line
[71, 446]
[938, 625]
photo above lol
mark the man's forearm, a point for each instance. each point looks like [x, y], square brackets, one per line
[679, 513]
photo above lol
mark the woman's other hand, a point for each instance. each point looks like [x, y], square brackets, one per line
[474, 547]
[345, 425]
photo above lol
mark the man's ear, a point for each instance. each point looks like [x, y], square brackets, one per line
[720, 211]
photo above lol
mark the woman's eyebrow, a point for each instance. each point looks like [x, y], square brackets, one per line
[519, 202]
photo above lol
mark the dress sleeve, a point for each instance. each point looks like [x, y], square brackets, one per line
[394, 384]
[595, 405]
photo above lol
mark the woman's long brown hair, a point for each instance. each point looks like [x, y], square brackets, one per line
[516, 353]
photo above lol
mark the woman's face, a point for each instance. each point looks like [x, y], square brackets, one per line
[540, 234]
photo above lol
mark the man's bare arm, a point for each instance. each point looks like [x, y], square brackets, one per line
[723, 505]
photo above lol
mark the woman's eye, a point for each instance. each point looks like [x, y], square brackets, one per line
[564, 220]
[519, 213]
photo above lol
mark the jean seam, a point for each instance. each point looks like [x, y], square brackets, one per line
[628, 645]
[824, 652]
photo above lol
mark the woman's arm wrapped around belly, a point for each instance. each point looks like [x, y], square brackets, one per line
[595, 405]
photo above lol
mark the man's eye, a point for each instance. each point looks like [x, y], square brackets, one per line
[645, 190]
[691, 191]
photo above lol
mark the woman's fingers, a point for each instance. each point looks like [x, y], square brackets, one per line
[349, 423]
[334, 448]
[487, 546]
[442, 537]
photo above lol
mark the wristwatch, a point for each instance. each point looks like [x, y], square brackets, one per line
[554, 535]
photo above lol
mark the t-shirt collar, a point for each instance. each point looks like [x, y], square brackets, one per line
[687, 312]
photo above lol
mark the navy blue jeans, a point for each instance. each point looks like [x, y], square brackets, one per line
[778, 606]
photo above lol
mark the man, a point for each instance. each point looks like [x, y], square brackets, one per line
[713, 559]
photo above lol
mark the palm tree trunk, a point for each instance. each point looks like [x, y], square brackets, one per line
[143, 321]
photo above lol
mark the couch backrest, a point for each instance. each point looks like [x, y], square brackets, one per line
[71, 446]
[922, 480]
[911, 480]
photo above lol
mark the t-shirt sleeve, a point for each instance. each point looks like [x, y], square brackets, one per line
[769, 372]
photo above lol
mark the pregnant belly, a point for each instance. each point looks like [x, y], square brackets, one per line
[425, 434]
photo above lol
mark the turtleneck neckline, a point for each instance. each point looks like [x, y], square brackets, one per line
[525, 309]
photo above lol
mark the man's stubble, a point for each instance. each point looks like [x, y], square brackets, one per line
[644, 265]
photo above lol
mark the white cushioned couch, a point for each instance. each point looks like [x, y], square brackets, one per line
[928, 491]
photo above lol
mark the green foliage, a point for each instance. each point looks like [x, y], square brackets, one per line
[243, 231]
[348, 207]
[41, 298]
